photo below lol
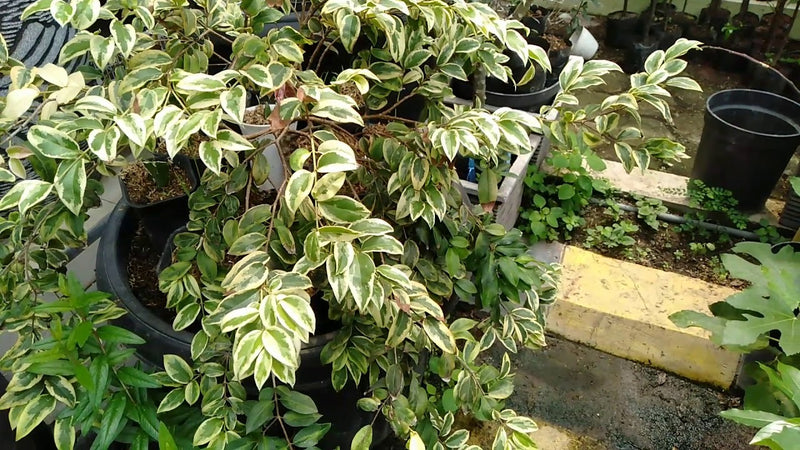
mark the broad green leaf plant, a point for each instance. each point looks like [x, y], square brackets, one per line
[370, 219]
[762, 316]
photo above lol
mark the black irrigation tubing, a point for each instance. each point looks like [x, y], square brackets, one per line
[676, 219]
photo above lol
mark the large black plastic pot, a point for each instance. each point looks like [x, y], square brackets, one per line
[313, 378]
[748, 138]
[530, 101]
[637, 54]
[621, 28]
[537, 20]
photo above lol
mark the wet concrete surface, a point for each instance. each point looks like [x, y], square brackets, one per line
[613, 403]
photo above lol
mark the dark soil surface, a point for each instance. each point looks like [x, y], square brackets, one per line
[143, 277]
[142, 189]
[621, 404]
[666, 249]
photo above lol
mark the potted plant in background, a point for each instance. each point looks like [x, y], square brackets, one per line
[715, 15]
[639, 50]
[621, 27]
[367, 234]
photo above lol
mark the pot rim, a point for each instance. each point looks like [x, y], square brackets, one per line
[779, 98]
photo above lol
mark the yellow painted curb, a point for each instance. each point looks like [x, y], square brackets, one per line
[622, 308]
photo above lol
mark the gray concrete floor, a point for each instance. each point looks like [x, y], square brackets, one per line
[605, 402]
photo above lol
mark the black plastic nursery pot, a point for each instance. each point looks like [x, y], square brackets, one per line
[530, 101]
[621, 28]
[161, 218]
[684, 20]
[537, 19]
[313, 378]
[747, 141]
[637, 54]
[717, 18]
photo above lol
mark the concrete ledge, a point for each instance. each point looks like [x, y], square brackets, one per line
[622, 308]
[670, 189]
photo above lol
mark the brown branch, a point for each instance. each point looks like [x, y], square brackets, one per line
[761, 63]
[388, 117]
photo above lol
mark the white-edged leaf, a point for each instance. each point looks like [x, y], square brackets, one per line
[298, 188]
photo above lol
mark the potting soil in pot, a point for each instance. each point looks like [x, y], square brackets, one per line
[143, 190]
[143, 277]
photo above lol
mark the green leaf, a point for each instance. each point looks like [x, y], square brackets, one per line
[342, 209]
[61, 389]
[85, 14]
[279, 345]
[134, 127]
[566, 192]
[200, 82]
[288, 49]
[211, 155]
[439, 334]
[384, 244]
[458, 439]
[625, 154]
[795, 182]
[228, 140]
[349, 29]
[336, 157]
[33, 8]
[372, 227]
[61, 12]
[755, 419]
[233, 102]
[294, 311]
[311, 435]
[207, 430]
[684, 83]
[248, 273]
[165, 439]
[178, 369]
[296, 401]
[102, 49]
[33, 414]
[70, 184]
[124, 36]
[112, 421]
[328, 186]
[138, 78]
[238, 318]
[187, 315]
[258, 415]
[487, 187]
[298, 188]
[53, 143]
[338, 111]
[64, 434]
[245, 352]
[133, 377]
[360, 275]
[26, 194]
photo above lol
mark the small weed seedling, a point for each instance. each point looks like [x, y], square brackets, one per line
[702, 248]
[649, 209]
[617, 235]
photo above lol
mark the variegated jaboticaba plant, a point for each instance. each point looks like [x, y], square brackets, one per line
[370, 221]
